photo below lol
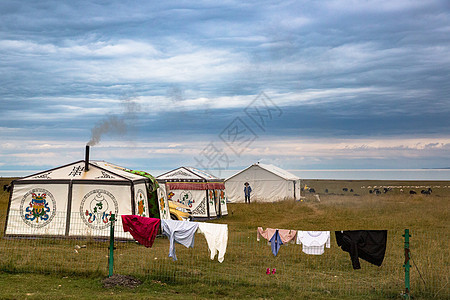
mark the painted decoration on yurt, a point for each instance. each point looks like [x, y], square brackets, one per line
[163, 202]
[92, 207]
[200, 210]
[140, 203]
[212, 203]
[186, 198]
[97, 207]
[140, 200]
[196, 189]
[37, 209]
[223, 202]
[76, 171]
[194, 199]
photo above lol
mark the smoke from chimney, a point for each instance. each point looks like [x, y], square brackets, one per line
[115, 124]
[112, 124]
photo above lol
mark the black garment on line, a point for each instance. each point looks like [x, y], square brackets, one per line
[369, 245]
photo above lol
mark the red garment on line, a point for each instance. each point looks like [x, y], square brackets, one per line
[144, 230]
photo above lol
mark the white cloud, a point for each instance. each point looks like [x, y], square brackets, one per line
[8, 146]
[110, 49]
[126, 60]
[375, 5]
[287, 152]
[40, 155]
[81, 48]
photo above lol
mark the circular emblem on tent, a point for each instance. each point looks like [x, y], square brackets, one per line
[140, 200]
[97, 207]
[186, 198]
[37, 208]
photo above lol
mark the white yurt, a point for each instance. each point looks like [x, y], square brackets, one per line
[268, 182]
[78, 199]
[202, 192]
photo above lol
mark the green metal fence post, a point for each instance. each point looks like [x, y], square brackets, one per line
[407, 266]
[111, 245]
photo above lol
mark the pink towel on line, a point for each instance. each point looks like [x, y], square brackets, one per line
[286, 235]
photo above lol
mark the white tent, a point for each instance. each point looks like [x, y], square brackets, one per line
[202, 192]
[268, 182]
[78, 199]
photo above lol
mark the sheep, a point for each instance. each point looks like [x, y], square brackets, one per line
[426, 192]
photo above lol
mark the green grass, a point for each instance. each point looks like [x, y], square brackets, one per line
[35, 286]
[73, 275]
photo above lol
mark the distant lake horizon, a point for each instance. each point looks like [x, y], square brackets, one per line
[331, 174]
[365, 174]
[376, 174]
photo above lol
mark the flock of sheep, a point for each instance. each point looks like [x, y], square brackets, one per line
[377, 190]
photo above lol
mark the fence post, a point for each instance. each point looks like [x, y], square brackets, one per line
[111, 245]
[406, 265]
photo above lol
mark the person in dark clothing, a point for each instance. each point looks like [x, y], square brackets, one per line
[369, 245]
[247, 191]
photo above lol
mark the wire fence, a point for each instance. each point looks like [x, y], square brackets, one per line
[246, 262]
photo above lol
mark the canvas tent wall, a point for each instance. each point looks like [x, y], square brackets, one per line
[78, 199]
[202, 192]
[268, 182]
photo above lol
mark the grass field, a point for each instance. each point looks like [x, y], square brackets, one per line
[38, 269]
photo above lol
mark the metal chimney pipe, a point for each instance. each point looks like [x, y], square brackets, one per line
[86, 160]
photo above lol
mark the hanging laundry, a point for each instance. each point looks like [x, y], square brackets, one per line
[314, 242]
[182, 232]
[276, 237]
[369, 245]
[217, 238]
[267, 234]
[285, 234]
[144, 230]
[275, 242]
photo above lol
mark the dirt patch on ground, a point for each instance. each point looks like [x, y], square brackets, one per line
[121, 280]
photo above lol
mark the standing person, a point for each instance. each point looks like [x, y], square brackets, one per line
[247, 191]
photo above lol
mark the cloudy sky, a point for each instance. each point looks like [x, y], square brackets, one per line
[158, 84]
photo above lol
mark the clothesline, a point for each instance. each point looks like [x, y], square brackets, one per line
[369, 245]
[144, 231]
[313, 241]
